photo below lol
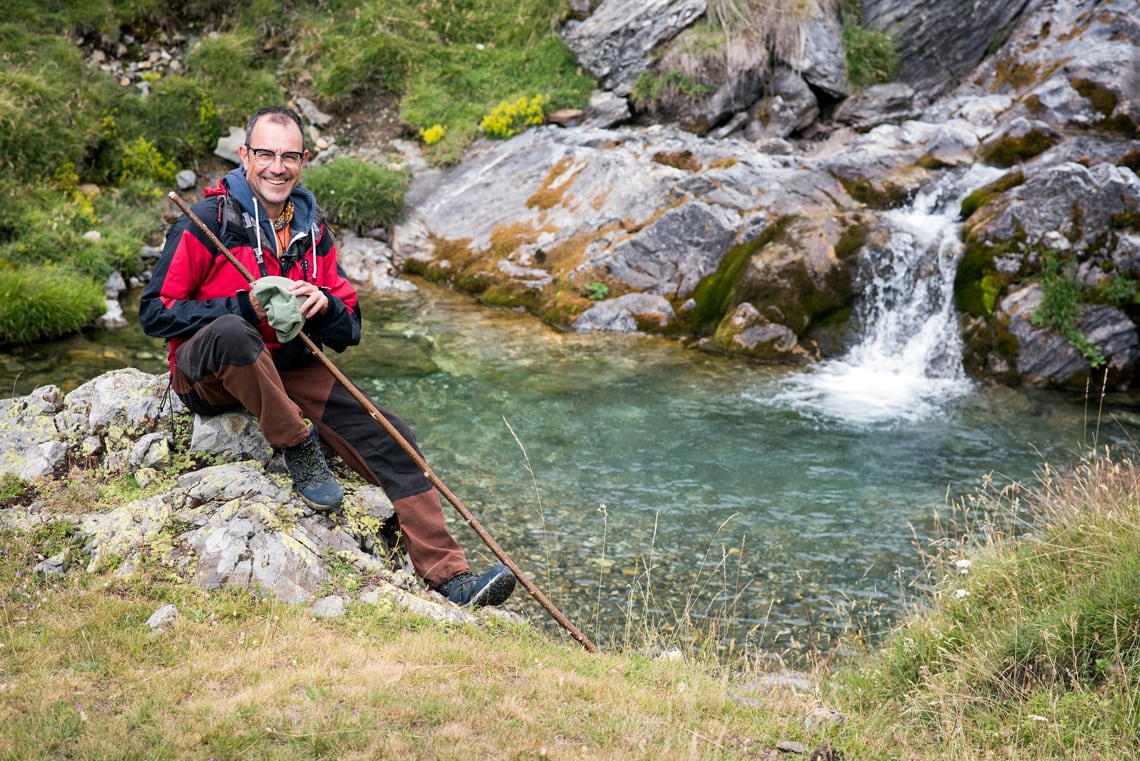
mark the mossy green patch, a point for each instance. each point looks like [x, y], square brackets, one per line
[714, 294]
[988, 192]
[1010, 150]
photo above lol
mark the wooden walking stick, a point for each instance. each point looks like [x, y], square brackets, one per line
[372, 410]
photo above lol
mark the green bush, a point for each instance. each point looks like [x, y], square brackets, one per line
[141, 160]
[871, 56]
[357, 194]
[47, 227]
[179, 118]
[220, 61]
[45, 303]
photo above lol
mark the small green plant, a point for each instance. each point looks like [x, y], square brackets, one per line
[344, 576]
[871, 55]
[358, 194]
[1060, 307]
[653, 86]
[141, 160]
[220, 60]
[597, 291]
[509, 118]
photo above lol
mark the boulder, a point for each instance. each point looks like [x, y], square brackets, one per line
[617, 41]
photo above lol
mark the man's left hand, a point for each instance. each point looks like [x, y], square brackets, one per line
[313, 300]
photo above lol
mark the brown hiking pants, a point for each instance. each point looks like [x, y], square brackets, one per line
[226, 365]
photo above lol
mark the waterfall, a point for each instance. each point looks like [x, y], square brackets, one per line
[908, 362]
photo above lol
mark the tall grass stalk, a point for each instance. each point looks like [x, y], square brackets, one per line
[537, 500]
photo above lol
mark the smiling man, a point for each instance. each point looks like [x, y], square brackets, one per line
[224, 352]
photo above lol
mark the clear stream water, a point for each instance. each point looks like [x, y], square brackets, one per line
[639, 482]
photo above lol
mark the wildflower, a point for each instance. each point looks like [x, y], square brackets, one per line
[961, 593]
[963, 567]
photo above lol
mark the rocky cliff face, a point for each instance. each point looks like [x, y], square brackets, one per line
[744, 217]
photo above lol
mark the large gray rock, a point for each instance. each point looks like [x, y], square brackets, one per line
[1047, 358]
[939, 43]
[235, 525]
[1069, 205]
[616, 43]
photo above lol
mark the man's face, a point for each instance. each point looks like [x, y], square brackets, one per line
[273, 178]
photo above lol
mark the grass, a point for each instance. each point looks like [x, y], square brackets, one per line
[240, 677]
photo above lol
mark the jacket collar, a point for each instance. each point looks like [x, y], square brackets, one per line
[304, 203]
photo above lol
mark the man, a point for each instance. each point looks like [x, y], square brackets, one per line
[224, 353]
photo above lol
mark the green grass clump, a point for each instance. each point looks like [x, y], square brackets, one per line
[871, 55]
[358, 194]
[42, 304]
[222, 60]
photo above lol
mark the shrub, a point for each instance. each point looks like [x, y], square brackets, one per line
[358, 194]
[220, 61]
[871, 56]
[510, 118]
[44, 303]
[179, 119]
[141, 160]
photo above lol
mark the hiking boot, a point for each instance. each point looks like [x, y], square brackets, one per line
[311, 475]
[492, 588]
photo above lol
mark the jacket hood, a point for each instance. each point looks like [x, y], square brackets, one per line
[304, 202]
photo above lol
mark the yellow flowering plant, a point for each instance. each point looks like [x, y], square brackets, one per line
[509, 118]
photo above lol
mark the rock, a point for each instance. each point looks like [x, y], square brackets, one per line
[1018, 140]
[56, 565]
[369, 261]
[822, 62]
[625, 313]
[112, 318]
[936, 50]
[1047, 358]
[566, 117]
[233, 435]
[887, 103]
[164, 615]
[820, 718]
[606, 109]
[187, 179]
[616, 42]
[312, 114]
[791, 109]
[332, 606]
[227, 147]
[30, 443]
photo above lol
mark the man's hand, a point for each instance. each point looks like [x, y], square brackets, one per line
[311, 298]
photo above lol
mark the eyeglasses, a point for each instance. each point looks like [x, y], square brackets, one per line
[265, 157]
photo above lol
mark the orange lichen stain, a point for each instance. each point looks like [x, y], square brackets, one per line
[598, 201]
[1016, 74]
[684, 160]
[725, 162]
[554, 185]
[506, 238]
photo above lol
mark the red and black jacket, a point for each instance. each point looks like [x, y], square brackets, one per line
[193, 283]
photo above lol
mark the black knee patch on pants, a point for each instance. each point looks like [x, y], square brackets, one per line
[228, 340]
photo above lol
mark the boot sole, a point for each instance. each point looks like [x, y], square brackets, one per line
[496, 591]
[320, 508]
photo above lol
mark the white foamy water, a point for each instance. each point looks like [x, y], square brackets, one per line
[908, 364]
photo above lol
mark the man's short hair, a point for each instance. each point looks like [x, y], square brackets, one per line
[280, 115]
